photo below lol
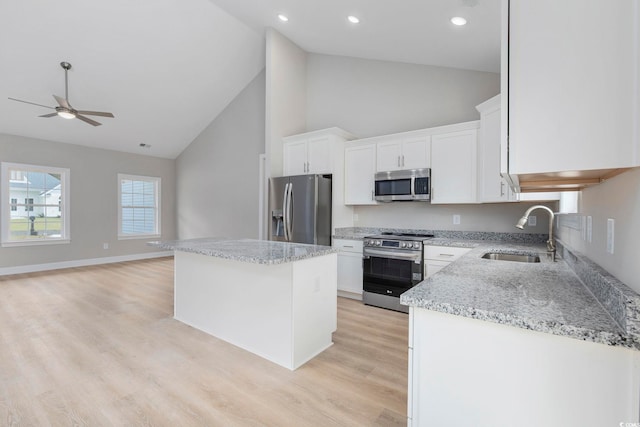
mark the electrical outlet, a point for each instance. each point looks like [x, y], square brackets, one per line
[533, 221]
[589, 228]
[105, 246]
[610, 234]
[456, 220]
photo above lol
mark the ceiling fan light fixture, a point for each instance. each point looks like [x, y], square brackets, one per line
[66, 114]
[283, 17]
[353, 19]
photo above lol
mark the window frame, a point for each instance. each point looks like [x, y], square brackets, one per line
[6, 205]
[157, 182]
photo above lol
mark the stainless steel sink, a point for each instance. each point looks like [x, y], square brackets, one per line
[511, 257]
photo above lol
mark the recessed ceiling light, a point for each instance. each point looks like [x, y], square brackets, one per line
[282, 17]
[458, 20]
[353, 19]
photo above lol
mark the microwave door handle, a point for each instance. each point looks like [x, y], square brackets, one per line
[413, 186]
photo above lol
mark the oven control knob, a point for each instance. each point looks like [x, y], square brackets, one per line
[378, 243]
[416, 245]
[403, 244]
[367, 242]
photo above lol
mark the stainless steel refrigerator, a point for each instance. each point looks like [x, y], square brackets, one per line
[300, 209]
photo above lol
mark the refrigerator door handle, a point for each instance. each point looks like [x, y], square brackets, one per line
[285, 209]
[290, 212]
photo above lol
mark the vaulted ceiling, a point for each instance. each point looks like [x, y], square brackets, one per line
[167, 68]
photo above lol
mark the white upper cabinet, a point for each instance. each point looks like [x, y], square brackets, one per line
[572, 82]
[492, 187]
[454, 167]
[360, 168]
[308, 155]
[408, 152]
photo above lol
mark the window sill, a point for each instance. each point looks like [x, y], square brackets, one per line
[139, 237]
[36, 242]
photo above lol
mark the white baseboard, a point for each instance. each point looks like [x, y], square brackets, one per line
[81, 263]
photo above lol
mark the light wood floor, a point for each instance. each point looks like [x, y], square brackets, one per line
[98, 346]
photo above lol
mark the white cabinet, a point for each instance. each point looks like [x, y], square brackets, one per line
[307, 156]
[463, 369]
[360, 168]
[321, 152]
[572, 84]
[438, 257]
[492, 187]
[454, 167]
[408, 152]
[349, 267]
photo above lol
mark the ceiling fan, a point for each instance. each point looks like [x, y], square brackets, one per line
[64, 108]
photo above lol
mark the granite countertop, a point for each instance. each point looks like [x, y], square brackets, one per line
[547, 296]
[247, 250]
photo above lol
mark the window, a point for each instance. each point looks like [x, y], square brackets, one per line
[43, 218]
[139, 206]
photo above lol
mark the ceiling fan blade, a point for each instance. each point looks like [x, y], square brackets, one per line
[96, 113]
[87, 120]
[32, 103]
[49, 115]
[63, 102]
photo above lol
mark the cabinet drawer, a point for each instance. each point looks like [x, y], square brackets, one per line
[444, 253]
[345, 245]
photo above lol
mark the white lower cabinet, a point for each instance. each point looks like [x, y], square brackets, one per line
[465, 371]
[438, 257]
[349, 268]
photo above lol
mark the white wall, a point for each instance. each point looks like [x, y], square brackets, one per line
[371, 98]
[495, 217]
[619, 199]
[286, 92]
[218, 173]
[94, 196]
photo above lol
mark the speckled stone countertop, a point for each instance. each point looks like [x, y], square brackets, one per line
[547, 296]
[247, 250]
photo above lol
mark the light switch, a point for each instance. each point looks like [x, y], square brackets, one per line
[533, 221]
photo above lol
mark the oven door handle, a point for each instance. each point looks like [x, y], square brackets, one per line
[393, 255]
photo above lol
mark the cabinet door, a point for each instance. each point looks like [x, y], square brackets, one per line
[359, 171]
[492, 187]
[572, 70]
[453, 167]
[295, 158]
[389, 156]
[350, 272]
[319, 155]
[416, 153]
[432, 267]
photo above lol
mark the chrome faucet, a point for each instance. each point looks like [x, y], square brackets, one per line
[551, 246]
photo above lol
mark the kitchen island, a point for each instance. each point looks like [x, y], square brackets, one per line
[502, 343]
[274, 299]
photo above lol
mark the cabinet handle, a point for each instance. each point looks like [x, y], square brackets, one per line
[372, 196]
[447, 255]
[398, 161]
[308, 166]
[501, 189]
[403, 160]
[348, 246]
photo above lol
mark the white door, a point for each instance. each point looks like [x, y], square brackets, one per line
[359, 171]
[389, 156]
[454, 167]
[416, 153]
[295, 158]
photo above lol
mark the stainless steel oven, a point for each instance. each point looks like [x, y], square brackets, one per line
[392, 265]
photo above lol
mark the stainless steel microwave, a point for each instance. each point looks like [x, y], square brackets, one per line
[404, 185]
